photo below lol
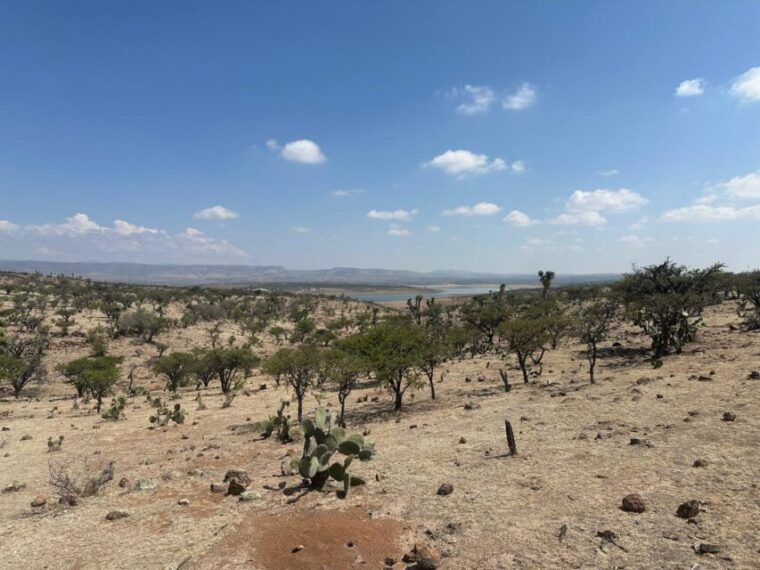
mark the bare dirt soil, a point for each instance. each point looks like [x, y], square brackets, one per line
[581, 449]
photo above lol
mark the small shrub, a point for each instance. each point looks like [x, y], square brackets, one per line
[72, 483]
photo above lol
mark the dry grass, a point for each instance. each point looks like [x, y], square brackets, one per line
[575, 463]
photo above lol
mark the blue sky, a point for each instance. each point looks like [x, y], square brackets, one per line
[491, 136]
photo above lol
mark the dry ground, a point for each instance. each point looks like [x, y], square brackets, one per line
[575, 463]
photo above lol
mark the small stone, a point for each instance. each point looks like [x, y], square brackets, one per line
[389, 561]
[116, 515]
[39, 501]
[700, 463]
[462, 440]
[236, 487]
[124, 483]
[173, 474]
[217, 488]
[14, 487]
[184, 502]
[196, 473]
[729, 416]
[705, 548]
[754, 375]
[145, 485]
[297, 548]
[246, 496]
[688, 510]
[445, 489]
[26, 437]
[633, 503]
[239, 474]
[427, 557]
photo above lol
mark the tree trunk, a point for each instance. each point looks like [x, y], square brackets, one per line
[399, 396]
[521, 358]
[432, 385]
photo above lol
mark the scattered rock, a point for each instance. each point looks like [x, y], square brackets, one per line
[217, 488]
[250, 496]
[633, 503]
[389, 561]
[236, 487]
[445, 489]
[116, 515]
[14, 487]
[184, 502]
[39, 501]
[124, 483]
[240, 475]
[700, 463]
[199, 473]
[462, 440]
[26, 437]
[145, 485]
[427, 557]
[173, 474]
[729, 416]
[688, 510]
[297, 548]
[754, 375]
[705, 548]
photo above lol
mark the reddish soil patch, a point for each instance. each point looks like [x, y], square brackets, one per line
[331, 540]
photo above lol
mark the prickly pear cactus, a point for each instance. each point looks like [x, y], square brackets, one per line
[321, 442]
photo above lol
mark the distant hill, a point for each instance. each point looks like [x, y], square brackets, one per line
[160, 274]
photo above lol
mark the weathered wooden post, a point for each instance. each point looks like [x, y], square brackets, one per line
[510, 438]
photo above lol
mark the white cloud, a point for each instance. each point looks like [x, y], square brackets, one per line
[273, 144]
[79, 237]
[462, 163]
[434, 228]
[747, 86]
[479, 209]
[690, 88]
[591, 218]
[398, 231]
[75, 225]
[521, 99]
[303, 151]
[125, 228]
[742, 187]
[216, 213]
[518, 166]
[706, 213]
[399, 215]
[346, 193]
[7, 227]
[605, 200]
[519, 219]
[301, 230]
[480, 98]
[610, 172]
[634, 240]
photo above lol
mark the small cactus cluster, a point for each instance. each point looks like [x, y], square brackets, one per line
[280, 423]
[164, 415]
[321, 441]
[55, 445]
[116, 410]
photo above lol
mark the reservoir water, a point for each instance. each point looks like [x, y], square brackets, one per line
[381, 297]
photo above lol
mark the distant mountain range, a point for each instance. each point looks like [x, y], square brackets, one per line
[264, 275]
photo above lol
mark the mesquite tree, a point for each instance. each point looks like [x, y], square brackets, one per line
[592, 325]
[667, 300]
